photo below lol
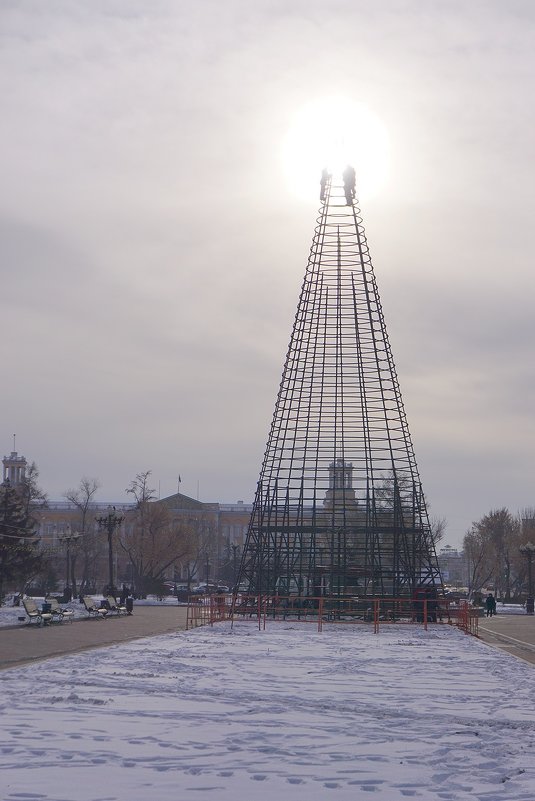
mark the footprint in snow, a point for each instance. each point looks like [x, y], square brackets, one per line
[25, 796]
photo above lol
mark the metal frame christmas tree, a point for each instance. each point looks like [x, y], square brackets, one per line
[339, 508]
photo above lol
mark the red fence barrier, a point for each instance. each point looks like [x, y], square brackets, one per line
[209, 609]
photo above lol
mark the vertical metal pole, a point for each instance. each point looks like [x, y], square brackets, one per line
[110, 554]
[529, 601]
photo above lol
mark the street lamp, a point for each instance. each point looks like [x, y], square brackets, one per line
[234, 564]
[109, 523]
[528, 550]
[67, 538]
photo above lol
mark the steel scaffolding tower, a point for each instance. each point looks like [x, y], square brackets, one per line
[339, 508]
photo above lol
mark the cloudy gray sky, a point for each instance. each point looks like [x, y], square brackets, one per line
[152, 251]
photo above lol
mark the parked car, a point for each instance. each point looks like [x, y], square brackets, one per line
[209, 589]
[203, 588]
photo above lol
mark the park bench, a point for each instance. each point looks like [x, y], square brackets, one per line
[34, 613]
[92, 609]
[115, 606]
[59, 612]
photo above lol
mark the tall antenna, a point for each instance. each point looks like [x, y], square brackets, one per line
[339, 507]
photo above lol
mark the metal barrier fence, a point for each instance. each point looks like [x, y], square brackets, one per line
[209, 609]
[467, 618]
[206, 610]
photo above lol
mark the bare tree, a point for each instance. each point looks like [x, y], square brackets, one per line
[151, 539]
[32, 495]
[438, 528]
[526, 522]
[492, 547]
[503, 531]
[88, 545]
[480, 564]
[408, 492]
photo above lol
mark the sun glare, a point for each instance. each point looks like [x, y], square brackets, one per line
[330, 133]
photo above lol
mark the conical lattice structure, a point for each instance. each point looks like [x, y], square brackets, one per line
[339, 509]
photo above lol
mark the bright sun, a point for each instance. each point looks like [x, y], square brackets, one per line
[332, 132]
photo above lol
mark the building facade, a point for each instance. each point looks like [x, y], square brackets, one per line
[453, 566]
[218, 530]
[81, 553]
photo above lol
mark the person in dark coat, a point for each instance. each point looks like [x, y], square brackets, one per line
[490, 604]
[129, 603]
[432, 604]
[323, 184]
[349, 184]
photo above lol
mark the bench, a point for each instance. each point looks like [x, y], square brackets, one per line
[115, 606]
[59, 612]
[92, 609]
[34, 613]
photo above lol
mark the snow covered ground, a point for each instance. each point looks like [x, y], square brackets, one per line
[288, 714]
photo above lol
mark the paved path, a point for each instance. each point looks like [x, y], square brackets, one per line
[512, 633]
[28, 643]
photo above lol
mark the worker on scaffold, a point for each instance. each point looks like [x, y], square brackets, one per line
[325, 175]
[349, 184]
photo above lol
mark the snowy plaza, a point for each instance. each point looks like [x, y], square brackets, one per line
[287, 713]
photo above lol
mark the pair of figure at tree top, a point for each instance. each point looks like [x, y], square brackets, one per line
[349, 178]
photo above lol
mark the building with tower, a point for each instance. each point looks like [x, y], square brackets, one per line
[14, 468]
[76, 549]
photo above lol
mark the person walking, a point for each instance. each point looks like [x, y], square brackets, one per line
[490, 604]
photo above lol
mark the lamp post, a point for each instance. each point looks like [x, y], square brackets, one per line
[321, 571]
[109, 523]
[528, 550]
[67, 538]
[234, 564]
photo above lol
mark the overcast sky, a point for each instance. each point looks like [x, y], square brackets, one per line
[152, 249]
